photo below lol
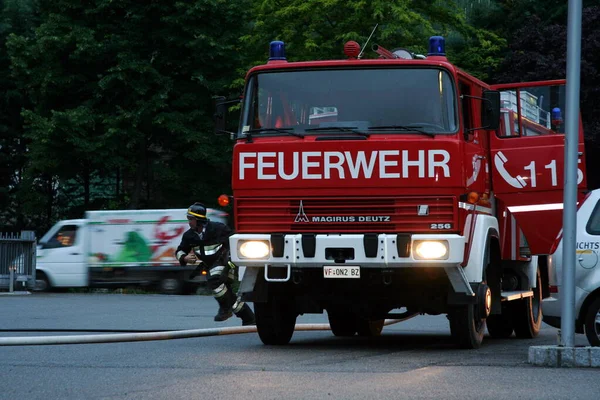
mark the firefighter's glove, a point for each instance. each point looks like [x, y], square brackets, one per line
[190, 258]
[197, 271]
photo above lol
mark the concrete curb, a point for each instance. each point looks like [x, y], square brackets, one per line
[565, 357]
[15, 293]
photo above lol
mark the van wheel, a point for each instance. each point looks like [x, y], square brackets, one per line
[170, 285]
[527, 313]
[592, 323]
[466, 327]
[42, 284]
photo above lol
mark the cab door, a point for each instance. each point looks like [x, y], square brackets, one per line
[527, 161]
[476, 174]
[61, 255]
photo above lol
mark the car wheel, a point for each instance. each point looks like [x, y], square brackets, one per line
[592, 323]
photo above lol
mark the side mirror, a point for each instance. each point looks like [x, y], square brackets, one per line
[219, 115]
[490, 109]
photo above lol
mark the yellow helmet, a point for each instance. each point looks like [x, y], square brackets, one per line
[197, 211]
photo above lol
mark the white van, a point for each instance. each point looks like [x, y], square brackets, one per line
[587, 273]
[116, 249]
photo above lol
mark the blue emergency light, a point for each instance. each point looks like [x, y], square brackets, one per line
[556, 116]
[276, 50]
[437, 46]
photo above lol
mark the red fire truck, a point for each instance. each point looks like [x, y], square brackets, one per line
[385, 188]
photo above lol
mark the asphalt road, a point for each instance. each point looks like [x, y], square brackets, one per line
[411, 360]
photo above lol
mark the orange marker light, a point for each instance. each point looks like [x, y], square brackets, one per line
[223, 200]
[472, 197]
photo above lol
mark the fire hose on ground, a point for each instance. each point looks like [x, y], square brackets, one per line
[158, 335]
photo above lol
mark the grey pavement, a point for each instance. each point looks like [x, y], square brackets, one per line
[415, 359]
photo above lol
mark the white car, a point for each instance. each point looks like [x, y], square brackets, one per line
[587, 273]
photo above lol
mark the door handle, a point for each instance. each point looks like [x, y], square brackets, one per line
[75, 254]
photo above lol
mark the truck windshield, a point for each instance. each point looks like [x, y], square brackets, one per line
[397, 100]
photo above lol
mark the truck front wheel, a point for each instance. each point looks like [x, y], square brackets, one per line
[369, 327]
[342, 324]
[466, 327]
[275, 320]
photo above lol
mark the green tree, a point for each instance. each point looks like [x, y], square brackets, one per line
[124, 88]
[318, 29]
[17, 16]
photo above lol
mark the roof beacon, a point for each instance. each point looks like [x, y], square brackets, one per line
[277, 51]
[556, 116]
[437, 46]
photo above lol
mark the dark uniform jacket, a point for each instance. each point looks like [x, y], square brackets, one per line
[211, 245]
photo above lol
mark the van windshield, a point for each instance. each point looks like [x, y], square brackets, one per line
[361, 99]
[63, 237]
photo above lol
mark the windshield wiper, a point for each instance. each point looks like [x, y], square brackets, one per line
[287, 131]
[352, 129]
[402, 128]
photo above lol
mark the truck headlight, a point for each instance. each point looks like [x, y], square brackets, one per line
[254, 249]
[430, 249]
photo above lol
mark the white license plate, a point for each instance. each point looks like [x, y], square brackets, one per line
[341, 272]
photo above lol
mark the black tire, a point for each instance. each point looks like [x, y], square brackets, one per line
[527, 313]
[500, 326]
[592, 323]
[171, 285]
[369, 327]
[341, 324]
[275, 321]
[467, 331]
[42, 283]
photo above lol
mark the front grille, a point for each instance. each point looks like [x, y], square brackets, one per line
[346, 215]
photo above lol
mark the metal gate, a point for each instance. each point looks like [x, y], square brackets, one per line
[17, 261]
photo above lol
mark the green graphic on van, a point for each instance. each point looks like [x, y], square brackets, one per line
[134, 249]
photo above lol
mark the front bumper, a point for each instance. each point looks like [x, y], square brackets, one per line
[551, 311]
[293, 251]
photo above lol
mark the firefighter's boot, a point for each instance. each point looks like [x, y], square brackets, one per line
[224, 313]
[244, 312]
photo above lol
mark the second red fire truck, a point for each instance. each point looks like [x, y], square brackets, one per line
[385, 188]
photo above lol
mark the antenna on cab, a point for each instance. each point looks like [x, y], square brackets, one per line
[367, 42]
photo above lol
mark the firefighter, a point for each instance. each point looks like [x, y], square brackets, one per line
[209, 242]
